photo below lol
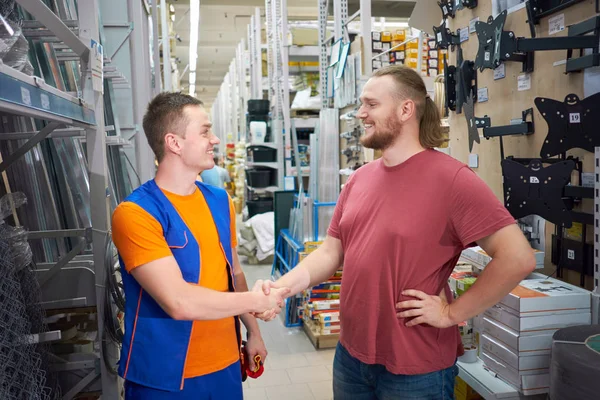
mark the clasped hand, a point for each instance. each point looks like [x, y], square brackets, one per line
[274, 299]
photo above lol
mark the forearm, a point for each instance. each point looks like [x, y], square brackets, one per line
[495, 282]
[241, 285]
[314, 269]
[199, 303]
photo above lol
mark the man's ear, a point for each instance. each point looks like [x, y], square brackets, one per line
[408, 109]
[172, 143]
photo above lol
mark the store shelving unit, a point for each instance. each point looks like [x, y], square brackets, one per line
[25, 95]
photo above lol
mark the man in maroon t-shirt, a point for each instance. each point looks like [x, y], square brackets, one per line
[399, 227]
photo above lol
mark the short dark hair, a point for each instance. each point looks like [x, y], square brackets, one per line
[165, 114]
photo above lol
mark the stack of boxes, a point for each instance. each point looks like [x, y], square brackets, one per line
[517, 333]
[406, 53]
[514, 338]
[320, 306]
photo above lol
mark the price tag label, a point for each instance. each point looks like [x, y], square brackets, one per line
[487, 56]
[25, 96]
[571, 254]
[500, 72]
[534, 179]
[575, 118]
[556, 24]
[524, 82]
[473, 25]
[464, 34]
[45, 101]
[439, 37]
[445, 10]
[482, 95]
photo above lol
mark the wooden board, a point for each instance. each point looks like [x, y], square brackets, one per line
[506, 103]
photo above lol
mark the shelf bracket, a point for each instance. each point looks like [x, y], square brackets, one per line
[38, 137]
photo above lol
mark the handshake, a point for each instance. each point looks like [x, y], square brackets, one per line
[269, 299]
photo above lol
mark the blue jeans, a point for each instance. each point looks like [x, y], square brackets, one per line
[225, 384]
[355, 380]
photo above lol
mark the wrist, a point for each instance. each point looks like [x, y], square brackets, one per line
[258, 302]
[453, 316]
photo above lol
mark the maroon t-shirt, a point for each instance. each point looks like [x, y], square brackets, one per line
[404, 227]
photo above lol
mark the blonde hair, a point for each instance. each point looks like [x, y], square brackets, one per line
[411, 86]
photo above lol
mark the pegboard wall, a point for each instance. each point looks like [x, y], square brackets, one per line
[506, 100]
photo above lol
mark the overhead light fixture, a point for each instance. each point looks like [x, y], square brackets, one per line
[172, 8]
[192, 89]
[192, 77]
[194, 26]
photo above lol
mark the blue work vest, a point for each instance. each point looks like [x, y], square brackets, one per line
[155, 345]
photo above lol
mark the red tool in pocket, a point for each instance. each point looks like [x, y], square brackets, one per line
[245, 362]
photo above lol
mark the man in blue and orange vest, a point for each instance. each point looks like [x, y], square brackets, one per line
[185, 290]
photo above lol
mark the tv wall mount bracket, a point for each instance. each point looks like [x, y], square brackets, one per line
[524, 127]
[535, 189]
[571, 124]
[497, 45]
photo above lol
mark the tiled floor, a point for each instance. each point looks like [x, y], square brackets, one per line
[294, 370]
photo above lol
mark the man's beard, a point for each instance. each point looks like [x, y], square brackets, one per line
[384, 136]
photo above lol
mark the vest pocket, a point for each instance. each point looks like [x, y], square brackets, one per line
[177, 240]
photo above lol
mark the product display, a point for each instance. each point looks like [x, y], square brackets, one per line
[284, 115]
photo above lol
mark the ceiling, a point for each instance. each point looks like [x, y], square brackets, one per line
[224, 23]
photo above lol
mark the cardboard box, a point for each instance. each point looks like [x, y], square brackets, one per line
[326, 304]
[504, 354]
[298, 36]
[399, 35]
[309, 247]
[329, 317]
[534, 296]
[532, 343]
[479, 257]
[527, 383]
[376, 36]
[464, 284]
[386, 36]
[539, 323]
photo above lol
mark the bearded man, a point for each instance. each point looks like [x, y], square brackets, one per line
[399, 227]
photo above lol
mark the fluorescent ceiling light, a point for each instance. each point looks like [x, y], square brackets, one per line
[172, 8]
[194, 26]
[192, 77]
[192, 89]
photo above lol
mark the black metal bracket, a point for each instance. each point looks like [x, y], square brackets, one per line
[535, 189]
[571, 124]
[470, 4]
[467, 81]
[538, 9]
[447, 7]
[497, 45]
[450, 85]
[475, 123]
[444, 37]
[459, 82]
[523, 128]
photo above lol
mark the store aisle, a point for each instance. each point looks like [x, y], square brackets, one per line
[294, 370]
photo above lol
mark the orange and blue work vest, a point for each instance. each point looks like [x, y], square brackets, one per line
[155, 345]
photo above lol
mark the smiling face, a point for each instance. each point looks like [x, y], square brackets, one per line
[196, 146]
[379, 113]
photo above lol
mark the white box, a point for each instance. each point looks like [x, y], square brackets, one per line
[522, 344]
[478, 256]
[539, 323]
[533, 296]
[527, 383]
[495, 348]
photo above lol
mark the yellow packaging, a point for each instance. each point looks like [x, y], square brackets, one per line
[386, 36]
[462, 391]
[309, 247]
[410, 52]
[411, 62]
[302, 255]
[412, 45]
[399, 35]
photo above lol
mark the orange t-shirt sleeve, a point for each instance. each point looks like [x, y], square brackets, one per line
[138, 236]
[234, 242]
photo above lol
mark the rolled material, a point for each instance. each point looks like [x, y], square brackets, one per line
[575, 365]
